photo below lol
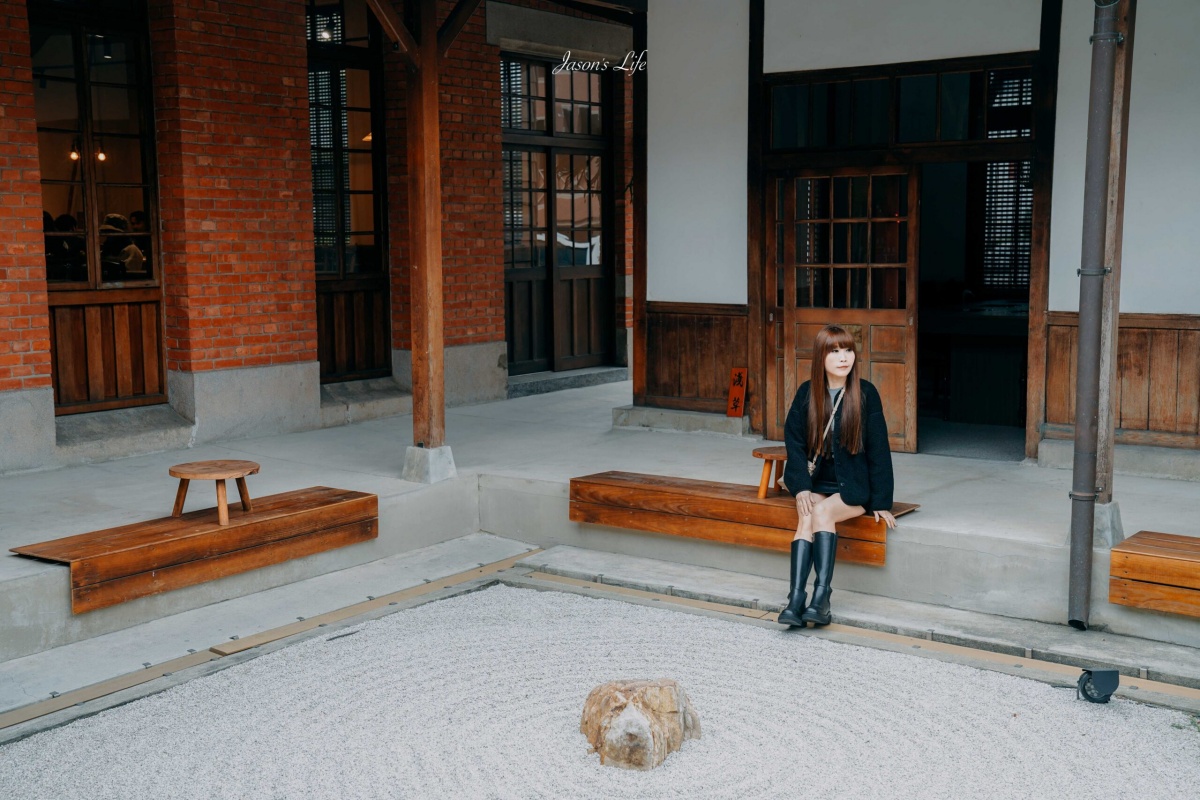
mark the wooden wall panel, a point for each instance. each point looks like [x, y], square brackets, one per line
[691, 348]
[1156, 395]
[353, 332]
[105, 355]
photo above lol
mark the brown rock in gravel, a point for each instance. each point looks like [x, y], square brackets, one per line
[636, 724]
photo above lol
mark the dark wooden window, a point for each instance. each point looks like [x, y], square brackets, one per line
[898, 108]
[558, 292]
[346, 123]
[95, 145]
[1005, 242]
[851, 241]
[344, 82]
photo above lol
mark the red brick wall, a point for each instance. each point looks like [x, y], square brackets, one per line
[24, 318]
[472, 188]
[231, 107]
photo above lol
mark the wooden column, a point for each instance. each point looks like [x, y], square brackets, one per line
[1112, 254]
[640, 105]
[425, 219]
[755, 256]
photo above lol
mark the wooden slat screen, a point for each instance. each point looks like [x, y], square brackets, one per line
[106, 356]
[691, 348]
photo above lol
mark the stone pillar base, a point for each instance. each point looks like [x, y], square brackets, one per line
[428, 464]
[1107, 530]
[27, 420]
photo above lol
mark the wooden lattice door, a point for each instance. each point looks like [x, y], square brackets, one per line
[842, 249]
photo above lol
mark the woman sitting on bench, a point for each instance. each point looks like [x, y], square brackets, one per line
[836, 420]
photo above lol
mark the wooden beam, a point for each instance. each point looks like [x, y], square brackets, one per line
[425, 221]
[756, 337]
[1045, 102]
[395, 29]
[640, 106]
[627, 7]
[454, 24]
[1122, 80]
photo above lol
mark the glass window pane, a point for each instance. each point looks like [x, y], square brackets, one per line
[362, 213]
[596, 124]
[819, 110]
[789, 110]
[358, 129]
[887, 288]
[122, 162]
[118, 205]
[820, 287]
[871, 112]
[917, 110]
[812, 198]
[780, 243]
[842, 94]
[889, 242]
[858, 196]
[362, 253]
[1010, 103]
[64, 203]
[358, 88]
[53, 52]
[111, 59]
[355, 22]
[956, 105]
[841, 197]
[537, 115]
[115, 109]
[562, 117]
[889, 196]
[812, 243]
[60, 156]
[57, 104]
[849, 288]
[858, 242]
[803, 289]
[579, 86]
[325, 213]
[360, 178]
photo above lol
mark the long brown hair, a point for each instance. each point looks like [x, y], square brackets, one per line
[828, 339]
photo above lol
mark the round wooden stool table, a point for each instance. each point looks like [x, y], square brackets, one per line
[218, 471]
[771, 455]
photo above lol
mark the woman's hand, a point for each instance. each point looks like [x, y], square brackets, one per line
[804, 503]
[887, 517]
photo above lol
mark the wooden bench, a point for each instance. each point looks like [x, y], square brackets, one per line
[1157, 571]
[119, 564]
[721, 512]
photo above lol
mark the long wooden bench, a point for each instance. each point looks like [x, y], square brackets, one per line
[722, 512]
[120, 564]
[1157, 571]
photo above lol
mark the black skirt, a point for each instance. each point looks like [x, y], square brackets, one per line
[825, 478]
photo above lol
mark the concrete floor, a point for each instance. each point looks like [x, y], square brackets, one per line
[515, 458]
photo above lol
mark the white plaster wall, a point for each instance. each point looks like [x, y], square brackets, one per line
[826, 34]
[1161, 237]
[696, 150]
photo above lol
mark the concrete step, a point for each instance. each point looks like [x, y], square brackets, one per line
[35, 604]
[1060, 644]
[105, 435]
[356, 401]
[543, 382]
[72, 666]
[1013, 567]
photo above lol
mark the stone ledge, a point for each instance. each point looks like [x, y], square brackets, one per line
[665, 419]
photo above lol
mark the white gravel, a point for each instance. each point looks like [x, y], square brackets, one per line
[479, 696]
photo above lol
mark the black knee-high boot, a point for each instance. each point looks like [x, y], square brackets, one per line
[824, 554]
[801, 563]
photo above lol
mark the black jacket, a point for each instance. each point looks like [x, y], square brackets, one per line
[865, 477]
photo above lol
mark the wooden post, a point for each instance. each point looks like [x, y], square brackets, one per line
[640, 105]
[425, 215]
[1112, 254]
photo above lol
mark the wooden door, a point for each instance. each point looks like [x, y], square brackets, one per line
[842, 249]
[557, 275]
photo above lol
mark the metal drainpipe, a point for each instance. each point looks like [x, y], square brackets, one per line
[1105, 40]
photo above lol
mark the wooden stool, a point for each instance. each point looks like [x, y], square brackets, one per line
[769, 455]
[217, 471]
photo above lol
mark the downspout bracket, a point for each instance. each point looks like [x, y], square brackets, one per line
[1093, 273]
[1084, 496]
[1112, 36]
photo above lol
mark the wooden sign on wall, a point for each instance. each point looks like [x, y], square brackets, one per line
[736, 405]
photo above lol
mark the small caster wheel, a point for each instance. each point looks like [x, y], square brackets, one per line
[1097, 686]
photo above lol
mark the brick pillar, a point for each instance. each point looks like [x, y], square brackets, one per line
[231, 107]
[26, 397]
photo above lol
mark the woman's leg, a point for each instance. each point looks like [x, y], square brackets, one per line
[801, 565]
[826, 515]
[804, 527]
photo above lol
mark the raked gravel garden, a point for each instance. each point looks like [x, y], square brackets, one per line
[480, 695]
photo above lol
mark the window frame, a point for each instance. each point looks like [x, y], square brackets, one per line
[81, 20]
[333, 56]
